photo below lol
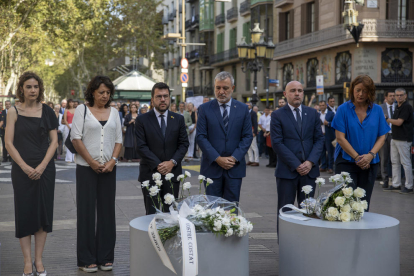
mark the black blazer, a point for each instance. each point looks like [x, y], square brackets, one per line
[253, 115]
[154, 149]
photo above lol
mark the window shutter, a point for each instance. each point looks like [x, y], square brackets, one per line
[222, 41]
[316, 15]
[393, 9]
[246, 32]
[291, 12]
[282, 26]
[410, 7]
[303, 18]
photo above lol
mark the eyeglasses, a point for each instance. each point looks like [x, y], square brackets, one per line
[159, 97]
[399, 95]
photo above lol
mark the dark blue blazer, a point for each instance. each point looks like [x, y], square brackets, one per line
[329, 131]
[214, 141]
[294, 148]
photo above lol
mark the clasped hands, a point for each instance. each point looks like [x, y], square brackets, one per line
[102, 168]
[363, 161]
[226, 162]
[165, 167]
[304, 168]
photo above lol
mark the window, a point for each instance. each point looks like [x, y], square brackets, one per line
[286, 25]
[233, 38]
[220, 43]
[310, 15]
[399, 10]
[397, 65]
[246, 32]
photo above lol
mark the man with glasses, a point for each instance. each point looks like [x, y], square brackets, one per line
[402, 137]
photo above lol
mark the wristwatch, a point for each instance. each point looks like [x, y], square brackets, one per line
[116, 160]
[174, 162]
[373, 154]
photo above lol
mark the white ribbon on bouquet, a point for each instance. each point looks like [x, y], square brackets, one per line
[293, 207]
[188, 238]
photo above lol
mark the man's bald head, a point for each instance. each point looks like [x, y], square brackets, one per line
[294, 93]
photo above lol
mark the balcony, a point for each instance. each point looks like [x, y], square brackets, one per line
[171, 15]
[232, 14]
[220, 20]
[194, 54]
[190, 1]
[187, 24]
[374, 30]
[245, 8]
[283, 3]
[224, 56]
[165, 20]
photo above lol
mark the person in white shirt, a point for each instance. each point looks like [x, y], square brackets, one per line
[97, 138]
[263, 122]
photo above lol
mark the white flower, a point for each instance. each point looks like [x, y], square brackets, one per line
[348, 180]
[333, 212]
[226, 222]
[153, 191]
[181, 176]
[209, 181]
[169, 199]
[348, 192]
[186, 185]
[352, 218]
[169, 176]
[307, 189]
[364, 204]
[330, 218]
[359, 193]
[198, 208]
[320, 181]
[229, 232]
[158, 183]
[187, 173]
[332, 178]
[345, 216]
[145, 184]
[156, 176]
[340, 201]
[217, 225]
[345, 174]
[346, 208]
[356, 206]
[201, 177]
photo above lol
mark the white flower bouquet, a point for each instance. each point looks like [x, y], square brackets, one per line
[342, 203]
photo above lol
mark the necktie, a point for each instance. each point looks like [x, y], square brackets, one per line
[162, 125]
[225, 116]
[298, 119]
[391, 114]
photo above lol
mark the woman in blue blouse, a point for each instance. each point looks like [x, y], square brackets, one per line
[360, 129]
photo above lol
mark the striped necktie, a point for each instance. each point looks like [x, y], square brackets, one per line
[225, 116]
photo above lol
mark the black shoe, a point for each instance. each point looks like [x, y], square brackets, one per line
[406, 191]
[392, 189]
[385, 185]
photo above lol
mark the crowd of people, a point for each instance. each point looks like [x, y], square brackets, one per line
[300, 142]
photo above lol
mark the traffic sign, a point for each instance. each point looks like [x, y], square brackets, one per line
[319, 85]
[184, 84]
[184, 63]
[184, 77]
[184, 70]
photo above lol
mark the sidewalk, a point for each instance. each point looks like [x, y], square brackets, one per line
[258, 200]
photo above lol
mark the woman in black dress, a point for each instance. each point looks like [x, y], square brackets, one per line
[130, 143]
[31, 140]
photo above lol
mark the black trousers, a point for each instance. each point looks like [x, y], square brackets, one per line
[5, 153]
[272, 156]
[95, 193]
[165, 189]
[364, 179]
[290, 189]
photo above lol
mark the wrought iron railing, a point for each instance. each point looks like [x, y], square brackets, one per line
[220, 19]
[245, 7]
[232, 14]
[224, 56]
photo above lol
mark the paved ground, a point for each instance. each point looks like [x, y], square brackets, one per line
[258, 200]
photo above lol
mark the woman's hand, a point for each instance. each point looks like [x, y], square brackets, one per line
[37, 173]
[28, 170]
[109, 166]
[364, 161]
[96, 166]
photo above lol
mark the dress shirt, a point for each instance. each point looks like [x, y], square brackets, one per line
[389, 114]
[332, 109]
[322, 116]
[228, 104]
[159, 118]
[294, 112]
[264, 120]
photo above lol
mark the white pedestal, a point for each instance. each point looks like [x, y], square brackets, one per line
[317, 247]
[216, 255]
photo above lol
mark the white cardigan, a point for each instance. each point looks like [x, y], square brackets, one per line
[99, 140]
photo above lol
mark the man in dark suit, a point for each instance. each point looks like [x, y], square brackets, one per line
[224, 134]
[331, 104]
[253, 151]
[62, 107]
[385, 152]
[326, 117]
[162, 143]
[298, 141]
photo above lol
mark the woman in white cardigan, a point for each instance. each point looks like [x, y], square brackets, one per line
[97, 138]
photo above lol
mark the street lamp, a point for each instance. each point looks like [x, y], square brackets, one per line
[254, 55]
[350, 16]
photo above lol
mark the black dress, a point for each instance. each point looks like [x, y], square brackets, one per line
[130, 142]
[33, 199]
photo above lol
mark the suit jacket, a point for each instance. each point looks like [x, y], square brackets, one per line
[330, 108]
[253, 115]
[329, 131]
[214, 141]
[3, 117]
[292, 147]
[385, 110]
[154, 148]
[62, 110]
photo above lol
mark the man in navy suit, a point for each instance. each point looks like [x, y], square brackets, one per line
[224, 134]
[298, 141]
[326, 117]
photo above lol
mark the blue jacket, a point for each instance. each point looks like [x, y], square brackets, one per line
[329, 130]
[214, 141]
[294, 148]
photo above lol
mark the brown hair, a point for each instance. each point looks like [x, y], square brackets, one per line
[369, 85]
[131, 105]
[94, 85]
[27, 76]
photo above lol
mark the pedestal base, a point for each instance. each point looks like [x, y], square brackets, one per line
[217, 255]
